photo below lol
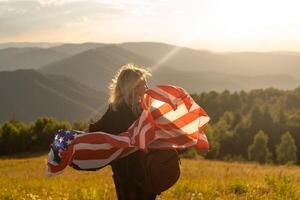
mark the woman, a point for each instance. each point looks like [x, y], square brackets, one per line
[126, 89]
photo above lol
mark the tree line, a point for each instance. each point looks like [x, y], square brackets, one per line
[18, 137]
[262, 125]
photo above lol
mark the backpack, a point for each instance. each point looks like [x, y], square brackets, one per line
[161, 170]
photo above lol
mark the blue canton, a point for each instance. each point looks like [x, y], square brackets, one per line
[61, 141]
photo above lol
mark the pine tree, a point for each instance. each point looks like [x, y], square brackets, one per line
[258, 151]
[286, 151]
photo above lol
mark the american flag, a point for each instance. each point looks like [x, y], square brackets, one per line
[170, 120]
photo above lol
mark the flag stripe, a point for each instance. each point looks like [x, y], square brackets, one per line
[92, 164]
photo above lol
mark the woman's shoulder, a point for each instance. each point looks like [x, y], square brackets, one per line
[120, 108]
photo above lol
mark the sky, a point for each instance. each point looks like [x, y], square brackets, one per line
[215, 25]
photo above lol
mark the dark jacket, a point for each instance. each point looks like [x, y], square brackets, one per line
[128, 173]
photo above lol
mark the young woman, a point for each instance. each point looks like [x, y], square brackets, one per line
[128, 85]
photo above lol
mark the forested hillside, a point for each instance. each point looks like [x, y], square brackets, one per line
[237, 117]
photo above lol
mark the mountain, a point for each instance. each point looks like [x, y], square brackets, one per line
[27, 94]
[95, 67]
[72, 49]
[27, 58]
[27, 44]
[197, 82]
[241, 63]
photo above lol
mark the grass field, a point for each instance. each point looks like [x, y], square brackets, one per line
[24, 178]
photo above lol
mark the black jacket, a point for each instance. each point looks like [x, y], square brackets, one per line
[127, 169]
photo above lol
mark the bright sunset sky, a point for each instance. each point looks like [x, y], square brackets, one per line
[216, 25]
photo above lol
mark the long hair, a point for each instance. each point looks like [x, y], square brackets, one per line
[123, 88]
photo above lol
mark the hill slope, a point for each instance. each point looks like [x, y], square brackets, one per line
[27, 58]
[72, 49]
[27, 94]
[197, 82]
[95, 67]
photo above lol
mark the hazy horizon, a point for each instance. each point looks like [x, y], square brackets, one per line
[53, 44]
[212, 25]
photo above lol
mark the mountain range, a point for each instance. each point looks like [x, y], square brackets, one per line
[70, 81]
[96, 67]
[240, 63]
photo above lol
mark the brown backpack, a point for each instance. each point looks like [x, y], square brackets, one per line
[161, 170]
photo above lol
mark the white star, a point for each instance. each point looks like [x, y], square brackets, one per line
[56, 137]
[61, 139]
[69, 142]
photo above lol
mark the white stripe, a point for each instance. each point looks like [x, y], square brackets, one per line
[89, 146]
[156, 104]
[194, 106]
[203, 120]
[187, 129]
[172, 98]
[180, 112]
[90, 164]
[51, 158]
[142, 118]
[172, 115]
[165, 94]
[166, 144]
[191, 127]
[202, 137]
[168, 134]
[132, 141]
[142, 135]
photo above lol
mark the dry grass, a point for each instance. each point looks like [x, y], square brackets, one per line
[200, 179]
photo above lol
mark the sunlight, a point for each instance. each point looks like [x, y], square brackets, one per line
[192, 33]
[234, 24]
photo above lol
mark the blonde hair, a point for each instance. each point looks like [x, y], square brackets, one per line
[123, 86]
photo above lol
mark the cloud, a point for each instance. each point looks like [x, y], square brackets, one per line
[50, 2]
[45, 3]
[137, 7]
[22, 18]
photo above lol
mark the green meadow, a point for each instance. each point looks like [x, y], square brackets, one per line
[24, 178]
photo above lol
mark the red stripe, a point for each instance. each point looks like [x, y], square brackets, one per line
[163, 109]
[66, 159]
[93, 154]
[157, 113]
[98, 138]
[174, 91]
[179, 122]
[158, 96]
